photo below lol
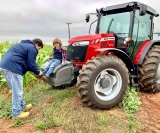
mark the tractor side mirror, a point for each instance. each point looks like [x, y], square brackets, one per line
[142, 10]
[87, 18]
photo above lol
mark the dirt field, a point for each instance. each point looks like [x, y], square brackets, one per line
[149, 114]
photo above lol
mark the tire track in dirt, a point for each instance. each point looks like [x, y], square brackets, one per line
[149, 113]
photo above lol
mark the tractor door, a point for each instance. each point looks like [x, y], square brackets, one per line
[119, 25]
[141, 31]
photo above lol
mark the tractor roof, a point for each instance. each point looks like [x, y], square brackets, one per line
[120, 7]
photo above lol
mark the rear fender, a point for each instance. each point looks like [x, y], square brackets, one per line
[120, 54]
[142, 52]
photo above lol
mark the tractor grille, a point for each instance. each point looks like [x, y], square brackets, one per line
[76, 53]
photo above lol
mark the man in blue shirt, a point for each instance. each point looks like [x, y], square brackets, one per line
[19, 59]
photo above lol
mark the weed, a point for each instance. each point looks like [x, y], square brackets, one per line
[133, 123]
[131, 101]
[131, 104]
[5, 107]
[41, 125]
[17, 122]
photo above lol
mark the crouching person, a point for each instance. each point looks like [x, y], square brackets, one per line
[58, 57]
[19, 59]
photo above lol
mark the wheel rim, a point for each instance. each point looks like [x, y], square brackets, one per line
[158, 77]
[107, 84]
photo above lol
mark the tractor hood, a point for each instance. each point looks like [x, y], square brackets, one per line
[89, 37]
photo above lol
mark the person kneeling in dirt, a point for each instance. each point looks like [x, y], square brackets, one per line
[59, 56]
[19, 59]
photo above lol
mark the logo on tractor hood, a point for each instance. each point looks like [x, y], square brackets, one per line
[107, 39]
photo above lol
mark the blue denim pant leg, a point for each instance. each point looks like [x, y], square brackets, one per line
[7, 78]
[16, 82]
[46, 69]
[54, 63]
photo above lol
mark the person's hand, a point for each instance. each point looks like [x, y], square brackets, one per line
[40, 75]
[50, 58]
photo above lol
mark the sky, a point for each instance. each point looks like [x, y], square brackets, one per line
[47, 19]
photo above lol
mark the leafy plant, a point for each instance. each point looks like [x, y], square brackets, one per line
[3, 82]
[43, 55]
[41, 125]
[131, 101]
[3, 48]
[131, 104]
[5, 107]
[17, 122]
[133, 123]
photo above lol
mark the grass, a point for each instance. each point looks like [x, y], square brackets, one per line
[133, 123]
[62, 108]
[18, 122]
[5, 110]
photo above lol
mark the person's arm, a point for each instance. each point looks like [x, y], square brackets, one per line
[31, 61]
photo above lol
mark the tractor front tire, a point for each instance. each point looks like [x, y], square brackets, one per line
[150, 71]
[103, 81]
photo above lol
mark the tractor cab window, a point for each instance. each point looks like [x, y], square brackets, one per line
[115, 23]
[143, 31]
[144, 27]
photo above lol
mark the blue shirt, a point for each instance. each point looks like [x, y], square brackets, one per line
[57, 54]
[21, 58]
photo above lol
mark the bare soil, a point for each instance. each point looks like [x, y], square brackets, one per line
[149, 112]
[149, 115]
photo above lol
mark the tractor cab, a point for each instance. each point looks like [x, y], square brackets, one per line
[131, 23]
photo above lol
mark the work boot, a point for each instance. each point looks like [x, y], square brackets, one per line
[28, 107]
[22, 115]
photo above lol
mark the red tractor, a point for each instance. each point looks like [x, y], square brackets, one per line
[121, 52]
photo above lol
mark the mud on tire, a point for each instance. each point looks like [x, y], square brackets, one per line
[103, 81]
[150, 71]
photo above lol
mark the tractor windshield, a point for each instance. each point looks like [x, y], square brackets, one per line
[115, 23]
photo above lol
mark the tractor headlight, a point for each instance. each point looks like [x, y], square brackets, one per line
[83, 43]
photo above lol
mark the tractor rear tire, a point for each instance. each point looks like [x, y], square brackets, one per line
[150, 71]
[103, 81]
